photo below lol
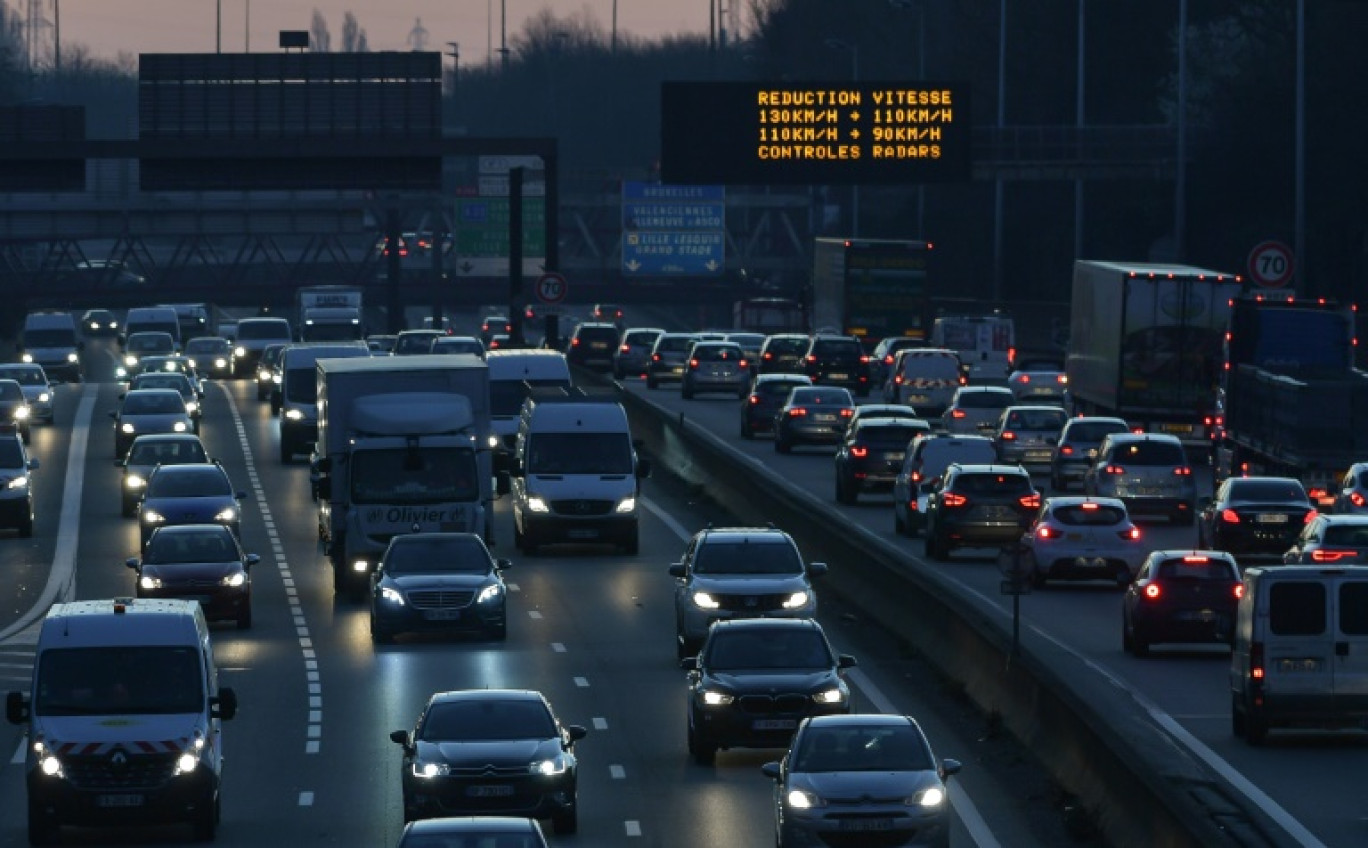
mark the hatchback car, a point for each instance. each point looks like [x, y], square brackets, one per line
[458, 344]
[192, 493]
[451, 831]
[756, 678]
[592, 346]
[16, 485]
[419, 342]
[838, 361]
[438, 582]
[812, 415]
[739, 572]
[198, 562]
[1027, 435]
[1352, 497]
[15, 411]
[1254, 516]
[607, 313]
[1181, 597]
[669, 357]
[767, 395]
[146, 453]
[716, 367]
[1341, 539]
[99, 322]
[1149, 471]
[1038, 379]
[979, 506]
[491, 751]
[782, 353]
[872, 453]
[861, 779]
[172, 380]
[1077, 447]
[267, 378]
[976, 410]
[928, 457]
[633, 352]
[148, 411]
[33, 382]
[1082, 538]
[211, 356]
[491, 326]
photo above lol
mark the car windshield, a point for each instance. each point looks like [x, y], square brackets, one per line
[301, 385]
[207, 483]
[755, 648]
[163, 381]
[23, 376]
[939, 366]
[49, 338]
[831, 397]
[1197, 568]
[991, 484]
[1094, 431]
[119, 681]
[1348, 535]
[262, 330]
[597, 334]
[896, 748]
[673, 344]
[190, 546]
[717, 353]
[11, 454]
[1096, 514]
[458, 346]
[401, 476]
[155, 402]
[175, 452]
[1050, 365]
[1148, 453]
[747, 558]
[579, 453]
[984, 400]
[887, 437]
[10, 390]
[270, 355]
[206, 346]
[409, 343]
[487, 720]
[640, 339]
[837, 348]
[427, 555]
[146, 343]
[1047, 420]
[786, 347]
[1268, 491]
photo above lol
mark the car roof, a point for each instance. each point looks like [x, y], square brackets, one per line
[988, 468]
[861, 720]
[471, 824]
[1128, 438]
[150, 392]
[1176, 553]
[973, 390]
[1034, 407]
[796, 379]
[749, 535]
[192, 468]
[458, 695]
[729, 624]
[168, 437]
[891, 421]
[1359, 520]
[182, 529]
[1075, 500]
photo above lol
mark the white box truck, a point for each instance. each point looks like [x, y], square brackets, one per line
[404, 445]
[330, 313]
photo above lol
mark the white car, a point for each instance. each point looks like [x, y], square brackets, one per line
[1083, 538]
[1038, 380]
[975, 410]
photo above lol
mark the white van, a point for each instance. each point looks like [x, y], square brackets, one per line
[50, 339]
[924, 379]
[123, 718]
[513, 375]
[1300, 655]
[575, 474]
[151, 319]
[986, 345]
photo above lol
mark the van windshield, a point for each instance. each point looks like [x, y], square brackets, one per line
[400, 476]
[301, 385]
[49, 338]
[579, 453]
[262, 330]
[119, 681]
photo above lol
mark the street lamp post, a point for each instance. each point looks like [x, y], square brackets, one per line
[839, 44]
[1001, 122]
[1180, 175]
[1078, 121]
[218, 26]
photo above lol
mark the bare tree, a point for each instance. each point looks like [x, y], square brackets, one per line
[351, 34]
[320, 40]
[362, 46]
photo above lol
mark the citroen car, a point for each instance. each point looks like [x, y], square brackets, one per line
[438, 582]
[146, 453]
[195, 493]
[1149, 471]
[199, 562]
[148, 411]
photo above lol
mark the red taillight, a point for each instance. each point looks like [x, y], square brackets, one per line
[912, 505]
[1356, 499]
[897, 381]
[1089, 506]
[864, 360]
[953, 499]
[1310, 515]
[1044, 532]
[1031, 501]
[1024, 378]
[753, 399]
[767, 355]
[888, 360]
[1239, 591]
[811, 358]
[1008, 436]
[916, 476]
[847, 412]
[859, 451]
[1067, 450]
[693, 363]
[958, 413]
[1182, 471]
[742, 364]
[625, 348]
[1229, 516]
[1131, 535]
[1062, 379]
[1191, 558]
[797, 412]
[574, 342]
[1139, 431]
[1113, 469]
[655, 357]
[1329, 555]
[508, 328]
[1256, 660]
[1152, 591]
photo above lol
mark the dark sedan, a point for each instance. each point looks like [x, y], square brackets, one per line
[769, 393]
[813, 415]
[189, 494]
[1255, 516]
[491, 752]
[1181, 597]
[452, 831]
[198, 562]
[438, 581]
[782, 353]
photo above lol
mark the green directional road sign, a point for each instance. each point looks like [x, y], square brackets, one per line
[482, 227]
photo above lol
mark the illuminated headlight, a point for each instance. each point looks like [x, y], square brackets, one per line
[361, 566]
[18, 482]
[151, 516]
[489, 593]
[28, 357]
[390, 594]
[130, 360]
[94, 325]
[703, 600]
[21, 413]
[121, 372]
[275, 378]
[796, 600]
[537, 504]
[263, 375]
[431, 769]
[714, 698]
[626, 505]
[834, 695]
[73, 357]
[113, 325]
[235, 579]
[191, 407]
[220, 363]
[44, 397]
[239, 351]
[134, 481]
[227, 514]
[801, 800]
[933, 797]
[555, 765]
[50, 765]
[186, 763]
[294, 415]
[180, 427]
[149, 582]
[128, 427]
[192, 363]
[170, 366]
[493, 441]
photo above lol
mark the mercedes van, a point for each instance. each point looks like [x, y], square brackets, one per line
[50, 339]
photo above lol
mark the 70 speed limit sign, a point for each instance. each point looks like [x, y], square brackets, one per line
[1271, 265]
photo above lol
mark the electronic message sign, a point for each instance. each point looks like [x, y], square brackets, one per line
[773, 133]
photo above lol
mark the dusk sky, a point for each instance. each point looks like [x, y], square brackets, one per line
[187, 26]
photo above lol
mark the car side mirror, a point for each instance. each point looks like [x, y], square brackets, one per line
[400, 737]
[576, 732]
[225, 706]
[949, 767]
[503, 483]
[676, 569]
[503, 564]
[33, 464]
[817, 569]
[689, 663]
[643, 469]
[16, 708]
[845, 661]
[133, 563]
[770, 770]
[114, 415]
[251, 560]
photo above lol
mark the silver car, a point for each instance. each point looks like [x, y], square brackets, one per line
[634, 351]
[1082, 538]
[716, 367]
[976, 409]
[1352, 497]
[739, 572]
[1027, 435]
[669, 356]
[1077, 447]
[1038, 380]
[927, 459]
[33, 382]
[1149, 472]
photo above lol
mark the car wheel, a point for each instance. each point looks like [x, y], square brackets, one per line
[743, 393]
[379, 635]
[499, 632]
[934, 550]
[746, 431]
[1126, 644]
[286, 453]
[128, 510]
[632, 546]
[1139, 646]
[1123, 578]
[1256, 729]
[566, 823]
[781, 445]
[681, 646]
[1057, 483]
[42, 830]
[703, 751]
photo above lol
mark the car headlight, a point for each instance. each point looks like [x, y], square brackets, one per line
[18, 482]
[714, 698]
[236, 579]
[239, 351]
[392, 595]
[627, 504]
[275, 378]
[361, 566]
[263, 375]
[431, 769]
[134, 481]
[50, 765]
[220, 363]
[555, 765]
[180, 427]
[94, 325]
[113, 325]
[489, 593]
[121, 372]
[834, 695]
[493, 441]
[130, 360]
[28, 357]
[192, 363]
[537, 504]
[933, 797]
[800, 799]
[44, 397]
[73, 357]
[128, 427]
[796, 600]
[21, 413]
[229, 513]
[294, 415]
[186, 763]
[703, 600]
[191, 406]
[149, 582]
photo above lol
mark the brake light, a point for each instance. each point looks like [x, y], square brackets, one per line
[958, 413]
[766, 355]
[753, 399]
[1328, 555]
[742, 364]
[574, 342]
[1256, 660]
[1320, 495]
[847, 412]
[1196, 559]
[1139, 431]
[1239, 591]
[864, 359]
[1130, 535]
[912, 505]
[1310, 514]
[797, 412]
[1182, 471]
[693, 363]
[1067, 450]
[1031, 501]
[1229, 516]
[1011, 355]
[897, 381]
[1152, 591]
[1356, 499]
[1024, 378]
[1044, 532]
[916, 476]
[1113, 469]
[1062, 379]
[812, 358]
[888, 360]
[859, 451]
[953, 499]
[655, 357]
[625, 348]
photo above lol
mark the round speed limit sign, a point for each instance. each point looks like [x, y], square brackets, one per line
[1271, 265]
[552, 288]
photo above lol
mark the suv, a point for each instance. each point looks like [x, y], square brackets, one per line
[871, 455]
[252, 337]
[838, 361]
[669, 356]
[927, 458]
[1330, 540]
[634, 352]
[782, 353]
[756, 678]
[1077, 447]
[1149, 472]
[592, 346]
[739, 572]
[16, 484]
[979, 506]
[716, 367]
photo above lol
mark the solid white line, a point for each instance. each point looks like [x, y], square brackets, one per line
[667, 519]
[555, 646]
[617, 772]
[633, 828]
[600, 723]
[582, 682]
[306, 799]
[533, 614]
[311, 747]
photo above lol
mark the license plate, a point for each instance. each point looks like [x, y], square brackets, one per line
[866, 824]
[583, 534]
[919, 398]
[598, 345]
[119, 800]
[824, 418]
[678, 369]
[489, 791]
[774, 724]
[1272, 518]
[895, 456]
[442, 614]
[1295, 664]
[1090, 562]
[1146, 490]
[835, 376]
[1177, 428]
[1205, 615]
[1037, 454]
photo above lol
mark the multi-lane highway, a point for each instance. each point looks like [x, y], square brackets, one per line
[309, 761]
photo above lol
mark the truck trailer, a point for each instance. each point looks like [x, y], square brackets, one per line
[330, 313]
[871, 288]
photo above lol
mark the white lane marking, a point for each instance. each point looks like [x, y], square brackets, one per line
[306, 799]
[633, 828]
[667, 519]
[19, 754]
[600, 723]
[533, 614]
[582, 682]
[617, 772]
[513, 587]
[61, 582]
[555, 646]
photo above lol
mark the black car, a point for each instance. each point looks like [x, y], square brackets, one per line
[812, 415]
[192, 493]
[267, 378]
[491, 752]
[756, 678]
[871, 455]
[767, 395]
[979, 506]
[838, 361]
[592, 346]
[782, 353]
[198, 562]
[14, 409]
[438, 582]
[418, 342]
[99, 322]
[1255, 516]
[145, 454]
[1181, 596]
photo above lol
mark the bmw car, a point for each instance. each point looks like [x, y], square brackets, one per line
[438, 582]
[189, 494]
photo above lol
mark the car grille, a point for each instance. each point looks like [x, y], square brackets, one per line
[143, 771]
[488, 771]
[581, 507]
[751, 603]
[441, 598]
[506, 804]
[768, 704]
